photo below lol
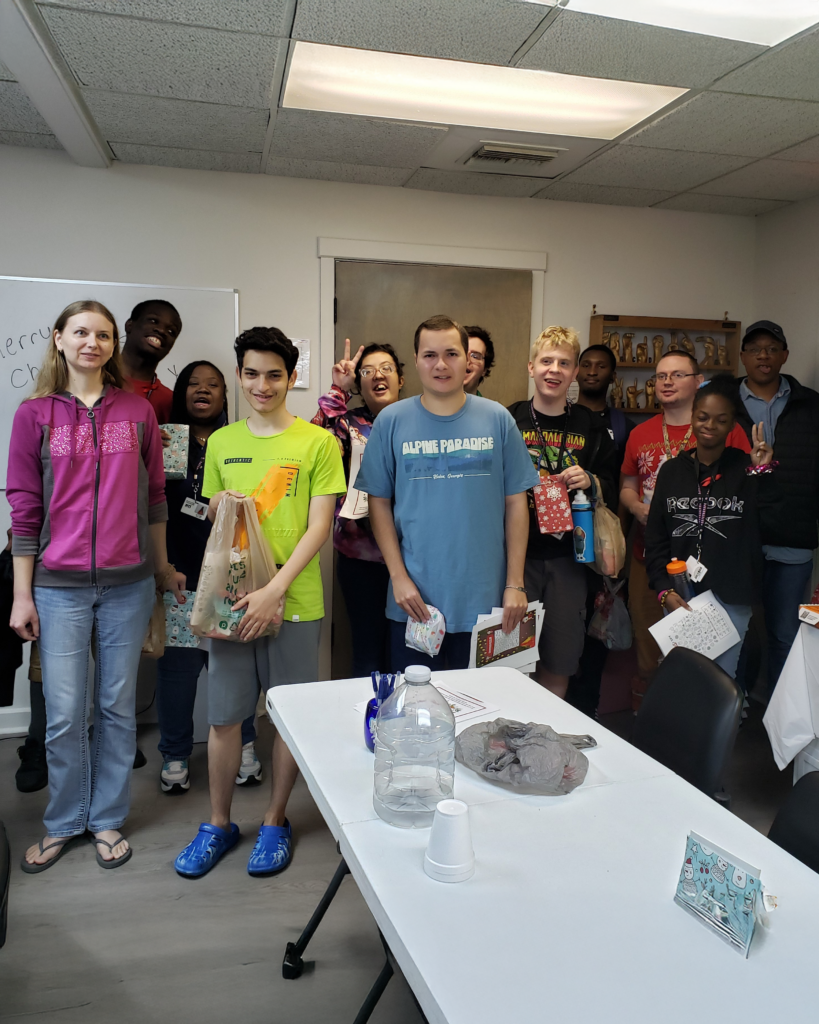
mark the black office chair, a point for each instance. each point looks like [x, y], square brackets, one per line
[5, 874]
[689, 718]
[796, 826]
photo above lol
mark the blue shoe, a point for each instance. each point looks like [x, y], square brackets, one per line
[207, 847]
[272, 851]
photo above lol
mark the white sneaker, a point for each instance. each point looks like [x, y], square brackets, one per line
[174, 777]
[250, 770]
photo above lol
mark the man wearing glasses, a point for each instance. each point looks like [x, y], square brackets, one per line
[789, 412]
[649, 445]
[480, 358]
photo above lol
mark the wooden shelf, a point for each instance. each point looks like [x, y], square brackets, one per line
[731, 368]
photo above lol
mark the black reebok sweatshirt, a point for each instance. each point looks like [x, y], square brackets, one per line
[738, 507]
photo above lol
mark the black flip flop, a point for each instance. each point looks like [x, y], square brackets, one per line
[35, 869]
[117, 861]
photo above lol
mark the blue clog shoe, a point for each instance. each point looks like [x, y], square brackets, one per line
[272, 851]
[209, 844]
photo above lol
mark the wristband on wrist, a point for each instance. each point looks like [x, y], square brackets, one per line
[510, 587]
[162, 577]
[769, 467]
[662, 596]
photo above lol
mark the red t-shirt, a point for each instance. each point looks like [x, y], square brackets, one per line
[160, 397]
[645, 453]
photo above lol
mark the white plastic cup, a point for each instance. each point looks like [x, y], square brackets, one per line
[449, 856]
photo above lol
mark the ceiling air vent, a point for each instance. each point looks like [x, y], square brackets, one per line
[512, 155]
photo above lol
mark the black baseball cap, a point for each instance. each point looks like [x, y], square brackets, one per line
[765, 327]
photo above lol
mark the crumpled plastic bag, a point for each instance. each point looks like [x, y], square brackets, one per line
[527, 756]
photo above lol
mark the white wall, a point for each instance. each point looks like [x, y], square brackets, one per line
[258, 234]
[786, 284]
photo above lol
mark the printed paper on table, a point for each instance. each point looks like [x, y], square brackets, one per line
[707, 628]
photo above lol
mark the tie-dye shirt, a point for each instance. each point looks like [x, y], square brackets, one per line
[281, 473]
[352, 537]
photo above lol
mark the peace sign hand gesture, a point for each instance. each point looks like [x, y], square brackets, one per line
[761, 453]
[344, 370]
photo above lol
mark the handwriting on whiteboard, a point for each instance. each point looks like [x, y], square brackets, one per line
[15, 350]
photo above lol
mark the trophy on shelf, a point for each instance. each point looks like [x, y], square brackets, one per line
[722, 355]
[606, 336]
[657, 344]
[650, 403]
[673, 345]
[710, 349]
[688, 346]
[614, 344]
[627, 356]
[642, 351]
[632, 391]
[617, 392]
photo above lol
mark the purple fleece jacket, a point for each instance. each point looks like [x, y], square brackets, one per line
[84, 485]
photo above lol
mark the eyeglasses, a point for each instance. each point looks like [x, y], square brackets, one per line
[766, 350]
[385, 369]
[677, 375]
[476, 357]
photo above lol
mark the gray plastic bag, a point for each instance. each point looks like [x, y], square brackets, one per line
[530, 757]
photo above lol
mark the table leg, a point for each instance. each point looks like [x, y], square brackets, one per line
[293, 964]
[377, 990]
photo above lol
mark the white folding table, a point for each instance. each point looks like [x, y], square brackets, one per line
[570, 911]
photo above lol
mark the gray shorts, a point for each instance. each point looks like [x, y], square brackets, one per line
[236, 672]
[560, 583]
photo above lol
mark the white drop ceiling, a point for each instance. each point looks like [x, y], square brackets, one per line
[199, 84]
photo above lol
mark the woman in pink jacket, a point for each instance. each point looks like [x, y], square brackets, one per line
[87, 493]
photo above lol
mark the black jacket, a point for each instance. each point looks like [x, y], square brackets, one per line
[589, 444]
[797, 449]
[739, 508]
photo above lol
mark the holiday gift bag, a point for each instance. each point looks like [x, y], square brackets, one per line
[237, 562]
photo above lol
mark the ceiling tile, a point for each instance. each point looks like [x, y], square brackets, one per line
[30, 139]
[478, 30]
[341, 138]
[473, 183]
[578, 192]
[768, 179]
[17, 112]
[272, 17]
[585, 44]
[195, 159]
[665, 169]
[792, 71]
[808, 150]
[5, 74]
[696, 203]
[174, 60]
[326, 171]
[153, 121]
[719, 122]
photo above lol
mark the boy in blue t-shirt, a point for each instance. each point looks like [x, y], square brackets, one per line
[447, 475]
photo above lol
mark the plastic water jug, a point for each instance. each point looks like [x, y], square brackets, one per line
[414, 752]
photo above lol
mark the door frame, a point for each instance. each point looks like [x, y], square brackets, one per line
[331, 250]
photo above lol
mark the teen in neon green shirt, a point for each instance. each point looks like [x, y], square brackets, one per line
[281, 473]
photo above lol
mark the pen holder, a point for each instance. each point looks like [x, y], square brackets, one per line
[370, 713]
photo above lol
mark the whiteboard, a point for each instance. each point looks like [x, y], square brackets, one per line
[30, 305]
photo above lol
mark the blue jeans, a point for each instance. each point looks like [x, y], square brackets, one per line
[740, 615]
[784, 589]
[90, 784]
[177, 673]
[454, 652]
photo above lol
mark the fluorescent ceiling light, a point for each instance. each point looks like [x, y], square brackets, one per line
[400, 87]
[752, 21]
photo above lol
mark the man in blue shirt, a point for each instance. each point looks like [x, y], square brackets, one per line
[789, 413]
[447, 475]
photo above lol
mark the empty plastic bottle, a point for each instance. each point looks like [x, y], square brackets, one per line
[414, 752]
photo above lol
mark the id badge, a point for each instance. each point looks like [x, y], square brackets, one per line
[696, 570]
[197, 509]
[554, 513]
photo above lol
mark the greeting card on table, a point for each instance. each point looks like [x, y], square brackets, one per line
[721, 890]
[554, 511]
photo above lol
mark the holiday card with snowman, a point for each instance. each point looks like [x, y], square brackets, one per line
[721, 890]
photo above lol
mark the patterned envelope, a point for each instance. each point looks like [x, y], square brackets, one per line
[177, 621]
[175, 456]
